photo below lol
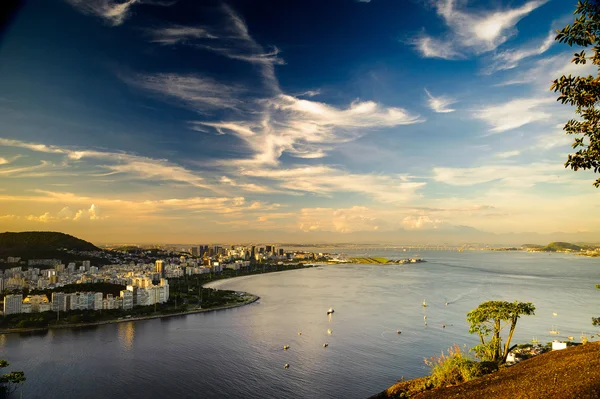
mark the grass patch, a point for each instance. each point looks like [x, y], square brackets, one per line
[453, 368]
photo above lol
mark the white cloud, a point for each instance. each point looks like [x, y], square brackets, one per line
[508, 154]
[508, 175]
[345, 220]
[510, 59]
[115, 162]
[251, 187]
[440, 104]
[421, 222]
[473, 32]
[65, 213]
[196, 92]
[44, 218]
[515, 113]
[306, 129]
[179, 34]
[548, 69]
[114, 12]
[430, 47]
[326, 181]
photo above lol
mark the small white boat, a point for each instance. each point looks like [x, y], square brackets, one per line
[286, 347]
[398, 332]
[286, 366]
[554, 314]
[554, 331]
[299, 333]
[329, 332]
[330, 311]
[325, 345]
[424, 303]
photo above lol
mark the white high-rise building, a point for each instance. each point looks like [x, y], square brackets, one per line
[59, 302]
[98, 304]
[13, 304]
[127, 298]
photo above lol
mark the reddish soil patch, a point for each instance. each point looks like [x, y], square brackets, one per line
[566, 374]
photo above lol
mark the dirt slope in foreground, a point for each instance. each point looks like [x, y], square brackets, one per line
[569, 373]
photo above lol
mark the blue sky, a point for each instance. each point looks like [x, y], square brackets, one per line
[341, 120]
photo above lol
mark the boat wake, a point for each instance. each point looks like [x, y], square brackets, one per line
[463, 296]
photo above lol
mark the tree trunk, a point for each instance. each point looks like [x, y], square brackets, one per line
[513, 325]
[497, 340]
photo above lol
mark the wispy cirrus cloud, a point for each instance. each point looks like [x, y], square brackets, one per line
[231, 39]
[200, 93]
[325, 180]
[509, 59]
[114, 162]
[71, 208]
[179, 34]
[114, 12]
[306, 129]
[503, 175]
[472, 32]
[508, 154]
[440, 104]
[515, 113]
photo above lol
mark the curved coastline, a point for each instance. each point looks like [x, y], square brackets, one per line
[252, 299]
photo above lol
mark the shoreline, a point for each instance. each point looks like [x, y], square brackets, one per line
[252, 299]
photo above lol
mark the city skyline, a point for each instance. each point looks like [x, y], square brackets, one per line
[307, 121]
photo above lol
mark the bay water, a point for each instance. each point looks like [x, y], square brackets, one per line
[238, 353]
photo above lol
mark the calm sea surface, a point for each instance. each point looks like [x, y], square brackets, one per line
[238, 353]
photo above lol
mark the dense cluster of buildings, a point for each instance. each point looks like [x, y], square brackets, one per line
[141, 292]
[146, 279]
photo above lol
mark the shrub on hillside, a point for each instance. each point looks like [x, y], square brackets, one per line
[453, 368]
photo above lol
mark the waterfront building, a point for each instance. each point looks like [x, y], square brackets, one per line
[13, 304]
[38, 303]
[59, 302]
[98, 304]
[127, 299]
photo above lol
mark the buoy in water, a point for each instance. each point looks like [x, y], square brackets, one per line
[286, 366]
[443, 326]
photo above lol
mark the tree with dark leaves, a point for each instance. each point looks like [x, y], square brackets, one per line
[583, 92]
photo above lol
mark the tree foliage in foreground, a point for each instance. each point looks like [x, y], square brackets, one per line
[583, 92]
[489, 319]
[9, 381]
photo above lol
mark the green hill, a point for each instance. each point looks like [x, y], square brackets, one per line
[561, 246]
[43, 240]
[43, 245]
